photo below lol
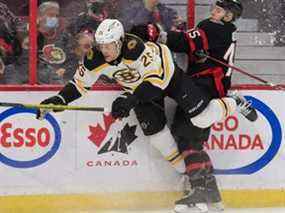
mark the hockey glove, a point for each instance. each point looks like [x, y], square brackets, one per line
[201, 55]
[122, 106]
[56, 100]
[147, 32]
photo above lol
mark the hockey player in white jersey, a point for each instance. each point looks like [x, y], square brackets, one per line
[147, 73]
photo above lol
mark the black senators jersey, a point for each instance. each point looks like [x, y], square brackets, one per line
[139, 62]
[214, 37]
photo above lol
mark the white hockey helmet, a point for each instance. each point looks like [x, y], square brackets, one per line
[109, 30]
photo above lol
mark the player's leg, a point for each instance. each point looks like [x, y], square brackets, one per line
[203, 111]
[152, 120]
[204, 190]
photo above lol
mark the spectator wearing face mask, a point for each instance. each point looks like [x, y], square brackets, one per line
[50, 26]
[50, 30]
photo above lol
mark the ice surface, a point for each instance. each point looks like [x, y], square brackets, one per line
[248, 210]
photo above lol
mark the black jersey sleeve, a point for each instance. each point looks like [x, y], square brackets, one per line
[187, 42]
[69, 93]
[178, 42]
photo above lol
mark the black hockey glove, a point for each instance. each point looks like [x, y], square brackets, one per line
[147, 32]
[56, 100]
[122, 106]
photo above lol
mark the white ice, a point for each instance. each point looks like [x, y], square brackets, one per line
[249, 210]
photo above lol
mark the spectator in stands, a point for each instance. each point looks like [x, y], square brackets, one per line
[96, 12]
[10, 48]
[12, 21]
[50, 26]
[75, 50]
[18, 72]
[80, 29]
[148, 11]
[50, 31]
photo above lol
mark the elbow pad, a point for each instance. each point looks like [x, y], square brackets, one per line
[69, 93]
[146, 92]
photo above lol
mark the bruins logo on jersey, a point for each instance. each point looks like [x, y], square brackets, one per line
[127, 75]
[132, 44]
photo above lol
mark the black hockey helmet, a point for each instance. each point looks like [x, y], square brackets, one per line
[95, 6]
[234, 6]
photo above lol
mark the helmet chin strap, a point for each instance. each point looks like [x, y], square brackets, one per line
[119, 45]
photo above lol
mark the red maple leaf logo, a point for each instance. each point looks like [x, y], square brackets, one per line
[98, 134]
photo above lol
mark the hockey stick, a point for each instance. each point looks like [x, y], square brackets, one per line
[245, 73]
[53, 107]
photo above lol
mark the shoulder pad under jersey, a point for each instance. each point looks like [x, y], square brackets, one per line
[93, 59]
[133, 47]
[216, 27]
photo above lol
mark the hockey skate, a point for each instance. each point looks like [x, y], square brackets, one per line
[214, 197]
[201, 199]
[195, 201]
[244, 107]
[186, 185]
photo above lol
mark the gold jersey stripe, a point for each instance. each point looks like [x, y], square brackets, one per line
[126, 61]
[80, 86]
[177, 160]
[165, 61]
[223, 107]
[98, 69]
[162, 83]
[158, 72]
[172, 155]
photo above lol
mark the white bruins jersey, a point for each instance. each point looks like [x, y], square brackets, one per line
[137, 63]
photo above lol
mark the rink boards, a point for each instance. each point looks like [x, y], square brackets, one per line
[86, 160]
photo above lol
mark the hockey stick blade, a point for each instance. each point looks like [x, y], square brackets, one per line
[53, 107]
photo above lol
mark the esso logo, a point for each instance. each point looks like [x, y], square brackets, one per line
[26, 142]
[239, 146]
[23, 137]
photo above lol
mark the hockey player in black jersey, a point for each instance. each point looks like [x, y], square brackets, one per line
[147, 73]
[213, 36]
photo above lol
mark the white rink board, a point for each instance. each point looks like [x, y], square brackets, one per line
[93, 156]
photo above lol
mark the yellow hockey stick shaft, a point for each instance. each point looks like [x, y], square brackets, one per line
[53, 107]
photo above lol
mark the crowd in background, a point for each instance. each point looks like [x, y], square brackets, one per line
[69, 25]
[66, 33]
[270, 16]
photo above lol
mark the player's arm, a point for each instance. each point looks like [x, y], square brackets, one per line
[145, 92]
[178, 42]
[85, 76]
[190, 42]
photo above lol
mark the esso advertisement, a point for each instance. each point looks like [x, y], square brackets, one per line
[26, 142]
[239, 146]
